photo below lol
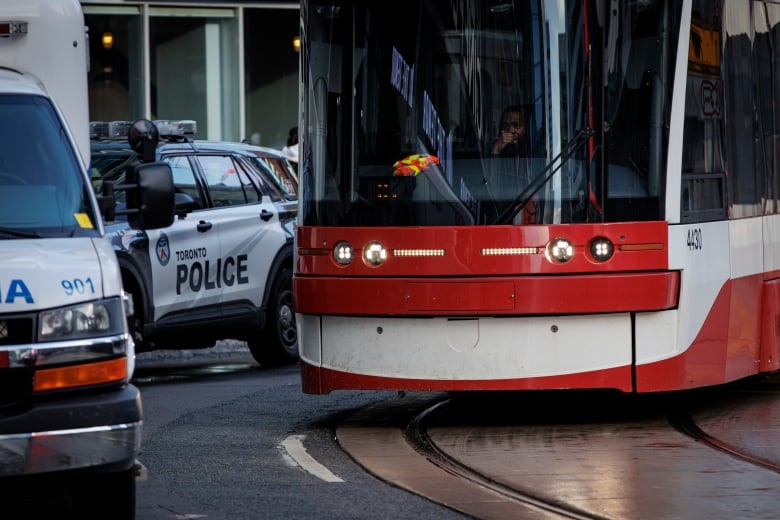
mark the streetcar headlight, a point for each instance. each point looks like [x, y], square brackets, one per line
[601, 249]
[560, 250]
[343, 253]
[374, 254]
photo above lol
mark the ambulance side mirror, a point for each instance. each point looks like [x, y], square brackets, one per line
[148, 183]
[152, 197]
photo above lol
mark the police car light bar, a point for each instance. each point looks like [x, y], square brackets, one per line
[12, 28]
[179, 128]
[118, 129]
[98, 130]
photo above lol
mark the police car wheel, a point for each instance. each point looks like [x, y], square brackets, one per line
[136, 321]
[138, 334]
[277, 343]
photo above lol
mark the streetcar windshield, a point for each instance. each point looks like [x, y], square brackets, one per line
[458, 112]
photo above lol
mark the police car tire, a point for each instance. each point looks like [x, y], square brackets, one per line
[277, 343]
[136, 321]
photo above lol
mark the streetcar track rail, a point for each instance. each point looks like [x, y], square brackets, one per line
[437, 447]
[417, 437]
[684, 423]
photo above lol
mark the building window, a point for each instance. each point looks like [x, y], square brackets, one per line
[194, 69]
[233, 69]
[271, 75]
[116, 51]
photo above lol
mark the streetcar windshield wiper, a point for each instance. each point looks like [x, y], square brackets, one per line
[544, 175]
[15, 233]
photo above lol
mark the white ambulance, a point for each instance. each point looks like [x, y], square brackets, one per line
[69, 417]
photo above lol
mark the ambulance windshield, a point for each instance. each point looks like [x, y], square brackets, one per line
[42, 190]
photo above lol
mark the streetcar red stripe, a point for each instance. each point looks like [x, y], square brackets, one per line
[620, 292]
[472, 251]
[460, 296]
[323, 380]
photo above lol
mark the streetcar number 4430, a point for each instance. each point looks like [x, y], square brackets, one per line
[694, 239]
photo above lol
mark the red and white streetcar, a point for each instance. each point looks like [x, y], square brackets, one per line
[538, 194]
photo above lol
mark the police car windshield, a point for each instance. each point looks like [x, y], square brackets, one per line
[42, 190]
[110, 166]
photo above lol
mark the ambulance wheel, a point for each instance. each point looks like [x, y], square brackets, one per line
[277, 343]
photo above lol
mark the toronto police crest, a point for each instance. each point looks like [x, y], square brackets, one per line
[163, 249]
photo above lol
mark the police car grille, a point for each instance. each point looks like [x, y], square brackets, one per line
[15, 331]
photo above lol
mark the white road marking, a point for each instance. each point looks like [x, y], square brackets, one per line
[298, 456]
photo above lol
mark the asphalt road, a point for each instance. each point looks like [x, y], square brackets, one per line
[221, 436]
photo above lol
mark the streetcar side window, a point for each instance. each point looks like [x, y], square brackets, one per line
[743, 188]
[766, 59]
[729, 137]
[639, 88]
[703, 167]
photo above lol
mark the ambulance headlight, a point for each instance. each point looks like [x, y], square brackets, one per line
[374, 254]
[343, 253]
[82, 345]
[601, 249]
[101, 318]
[560, 250]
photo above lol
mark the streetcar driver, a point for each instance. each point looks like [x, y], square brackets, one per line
[512, 140]
[510, 173]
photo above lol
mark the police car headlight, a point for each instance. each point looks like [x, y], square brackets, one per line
[101, 318]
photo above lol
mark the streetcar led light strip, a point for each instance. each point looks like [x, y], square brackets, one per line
[509, 251]
[418, 252]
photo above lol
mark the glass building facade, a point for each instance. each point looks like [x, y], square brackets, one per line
[230, 66]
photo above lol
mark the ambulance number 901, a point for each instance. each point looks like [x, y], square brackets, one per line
[78, 286]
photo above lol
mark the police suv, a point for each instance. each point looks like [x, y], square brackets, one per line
[69, 418]
[224, 268]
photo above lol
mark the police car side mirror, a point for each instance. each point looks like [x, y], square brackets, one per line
[149, 196]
